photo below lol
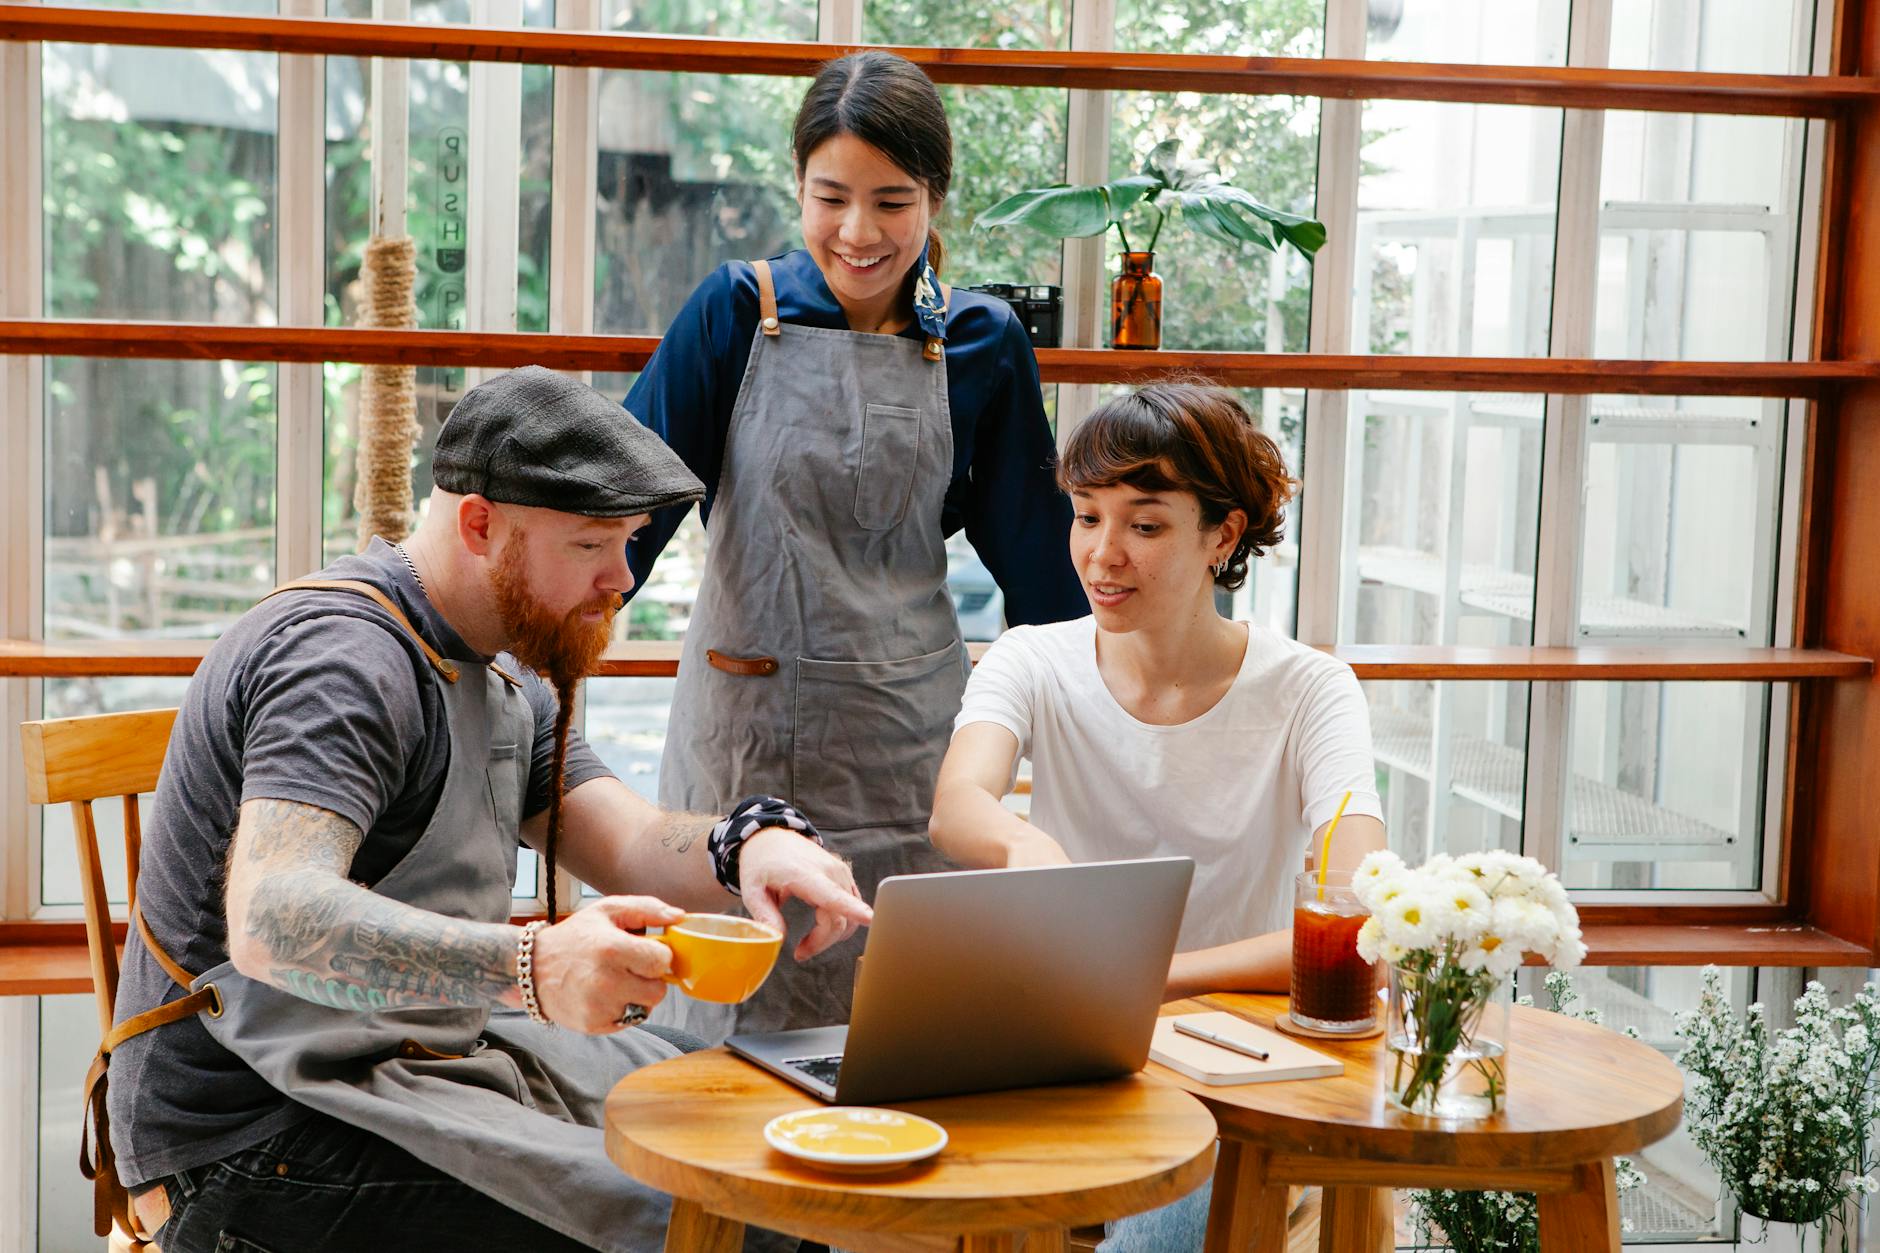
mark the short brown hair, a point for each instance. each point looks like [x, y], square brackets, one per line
[1187, 437]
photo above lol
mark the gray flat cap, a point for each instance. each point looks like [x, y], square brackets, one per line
[535, 437]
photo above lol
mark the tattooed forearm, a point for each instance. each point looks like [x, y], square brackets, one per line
[320, 937]
[680, 831]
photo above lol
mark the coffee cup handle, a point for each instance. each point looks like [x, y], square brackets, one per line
[672, 976]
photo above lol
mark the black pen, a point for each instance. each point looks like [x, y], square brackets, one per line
[1202, 1033]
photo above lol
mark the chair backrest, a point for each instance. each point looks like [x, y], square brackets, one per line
[78, 761]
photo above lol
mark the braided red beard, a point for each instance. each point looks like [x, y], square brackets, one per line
[564, 650]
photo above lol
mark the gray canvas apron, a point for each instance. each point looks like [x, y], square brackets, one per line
[510, 1108]
[823, 660]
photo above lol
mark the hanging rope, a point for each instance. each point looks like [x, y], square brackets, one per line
[388, 425]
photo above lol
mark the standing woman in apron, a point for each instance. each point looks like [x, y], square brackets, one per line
[847, 412]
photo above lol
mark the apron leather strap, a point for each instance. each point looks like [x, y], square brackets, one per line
[438, 662]
[769, 323]
[767, 320]
[756, 666]
[936, 348]
[110, 1202]
[171, 967]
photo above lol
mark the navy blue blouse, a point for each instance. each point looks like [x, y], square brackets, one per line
[1002, 490]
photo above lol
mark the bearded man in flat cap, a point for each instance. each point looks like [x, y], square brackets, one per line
[330, 1035]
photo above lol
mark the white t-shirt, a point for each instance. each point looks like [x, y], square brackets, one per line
[1240, 789]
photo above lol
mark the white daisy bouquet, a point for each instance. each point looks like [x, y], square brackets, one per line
[1453, 932]
[1784, 1116]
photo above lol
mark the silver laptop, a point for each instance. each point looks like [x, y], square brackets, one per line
[976, 980]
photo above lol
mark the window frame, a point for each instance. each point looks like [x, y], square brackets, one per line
[300, 450]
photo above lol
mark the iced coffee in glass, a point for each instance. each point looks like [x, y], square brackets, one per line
[1333, 989]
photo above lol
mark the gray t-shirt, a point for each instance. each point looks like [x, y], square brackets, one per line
[318, 697]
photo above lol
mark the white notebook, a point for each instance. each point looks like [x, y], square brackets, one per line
[1210, 1063]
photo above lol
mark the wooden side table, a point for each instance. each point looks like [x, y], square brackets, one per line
[1020, 1168]
[1577, 1096]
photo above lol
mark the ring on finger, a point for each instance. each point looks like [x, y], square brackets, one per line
[633, 1015]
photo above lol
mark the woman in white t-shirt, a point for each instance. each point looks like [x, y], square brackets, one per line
[1156, 726]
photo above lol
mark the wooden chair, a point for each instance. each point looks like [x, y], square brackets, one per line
[78, 761]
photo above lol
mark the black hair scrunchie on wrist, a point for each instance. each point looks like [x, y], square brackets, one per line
[747, 818]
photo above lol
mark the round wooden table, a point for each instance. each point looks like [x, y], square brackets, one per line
[1020, 1168]
[1577, 1095]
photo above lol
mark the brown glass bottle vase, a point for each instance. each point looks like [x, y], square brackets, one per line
[1136, 303]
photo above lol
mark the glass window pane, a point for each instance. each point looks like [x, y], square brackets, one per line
[1697, 236]
[68, 1039]
[1455, 232]
[533, 216]
[968, 24]
[1681, 516]
[1719, 36]
[1244, 28]
[1666, 786]
[59, 881]
[1448, 511]
[693, 169]
[1471, 32]
[626, 725]
[159, 183]
[1005, 139]
[159, 496]
[1451, 764]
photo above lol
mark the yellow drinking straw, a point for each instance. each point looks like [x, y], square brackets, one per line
[1325, 845]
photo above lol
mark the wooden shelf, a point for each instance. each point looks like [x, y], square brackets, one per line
[49, 959]
[28, 659]
[44, 969]
[1557, 87]
[1765, 944]
[195, 341]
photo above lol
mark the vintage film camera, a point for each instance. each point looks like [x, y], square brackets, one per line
[1040, 309]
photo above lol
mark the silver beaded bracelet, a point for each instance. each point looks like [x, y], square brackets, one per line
[525, 972]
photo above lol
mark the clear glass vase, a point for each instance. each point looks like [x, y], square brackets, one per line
[1447, 1033]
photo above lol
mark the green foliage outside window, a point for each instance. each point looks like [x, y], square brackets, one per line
[193, 205]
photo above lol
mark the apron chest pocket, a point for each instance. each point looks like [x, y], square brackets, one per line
[884, 478]
[508, 780]
[870, 735]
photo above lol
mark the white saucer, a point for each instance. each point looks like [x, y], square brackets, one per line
[856, 1139]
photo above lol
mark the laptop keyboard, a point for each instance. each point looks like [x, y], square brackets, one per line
[821, 1069]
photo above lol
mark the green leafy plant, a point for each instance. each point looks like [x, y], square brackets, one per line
[1167, 187]
[1783, 1116]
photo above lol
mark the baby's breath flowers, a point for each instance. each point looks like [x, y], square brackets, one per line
[1453, 930]
[1784, 1116]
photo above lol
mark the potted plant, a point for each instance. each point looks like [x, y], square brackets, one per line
[1783, 1116]
[1167, 187]
[1503, 1222]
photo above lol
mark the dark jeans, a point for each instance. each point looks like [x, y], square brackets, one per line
[324, 1185]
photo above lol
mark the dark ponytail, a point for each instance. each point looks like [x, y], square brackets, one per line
[886, 102]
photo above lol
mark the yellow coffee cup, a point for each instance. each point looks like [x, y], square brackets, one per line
[720, 957]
